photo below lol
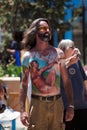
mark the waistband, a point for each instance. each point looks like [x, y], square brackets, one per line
[48, 98]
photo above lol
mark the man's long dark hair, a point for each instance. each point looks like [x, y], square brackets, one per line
[29, 39]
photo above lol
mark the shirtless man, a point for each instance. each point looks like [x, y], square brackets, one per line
[47, 107]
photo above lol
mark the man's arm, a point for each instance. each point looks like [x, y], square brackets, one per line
[68, 90]
[23, 95]
[12, 51]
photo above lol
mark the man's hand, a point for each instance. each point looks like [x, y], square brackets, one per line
[69, 113]
[24, 119]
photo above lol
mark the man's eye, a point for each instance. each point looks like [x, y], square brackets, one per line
[42, 29]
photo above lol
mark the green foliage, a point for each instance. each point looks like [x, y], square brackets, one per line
[14, 70]
[16, 15]
[2, 71]
[11, 70]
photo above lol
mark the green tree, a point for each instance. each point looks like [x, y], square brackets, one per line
[16, 15]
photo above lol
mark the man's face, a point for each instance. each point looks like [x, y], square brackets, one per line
[44, 32]
[34, 64]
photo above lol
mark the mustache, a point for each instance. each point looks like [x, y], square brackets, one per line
[45, 36]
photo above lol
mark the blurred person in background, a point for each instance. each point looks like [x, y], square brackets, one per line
[3, 96]
[15, 47]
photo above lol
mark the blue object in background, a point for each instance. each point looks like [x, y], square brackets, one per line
[76, 4]
[0, 35]
[55, 38]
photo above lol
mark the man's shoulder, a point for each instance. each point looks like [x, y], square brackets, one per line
[60, 53]
[58, 50]
[26, 54]
[26, 57]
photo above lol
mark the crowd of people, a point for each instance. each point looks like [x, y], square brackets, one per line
[53, 80]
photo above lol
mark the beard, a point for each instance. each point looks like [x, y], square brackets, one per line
[44, 36]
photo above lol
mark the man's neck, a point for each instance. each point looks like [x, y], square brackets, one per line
[41, 46]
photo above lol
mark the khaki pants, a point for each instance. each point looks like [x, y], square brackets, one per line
[47, 115]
